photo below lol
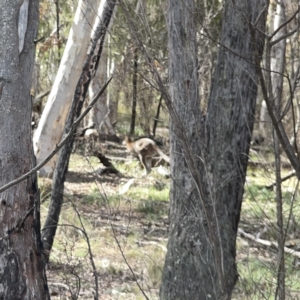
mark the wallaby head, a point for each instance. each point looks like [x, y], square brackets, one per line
[127, 140]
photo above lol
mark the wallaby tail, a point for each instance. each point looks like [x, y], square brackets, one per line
[164, 156]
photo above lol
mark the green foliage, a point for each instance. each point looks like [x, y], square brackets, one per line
[128, 32]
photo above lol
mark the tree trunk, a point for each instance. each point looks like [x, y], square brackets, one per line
[157, 115]
[51, 125]
[22, 269]
[140, 11]
[89, 69]
[179, 279]
[264, 119]
[101, 110]
[278, 66]
[208, 179]
[134, 91]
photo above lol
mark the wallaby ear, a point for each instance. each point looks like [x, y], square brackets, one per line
[126, 140]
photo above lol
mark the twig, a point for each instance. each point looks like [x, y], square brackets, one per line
[127, 263]
[83, 231]
[90, 252]
[286, 177]
[284, 24]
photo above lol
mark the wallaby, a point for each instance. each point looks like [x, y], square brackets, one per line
[146, 149]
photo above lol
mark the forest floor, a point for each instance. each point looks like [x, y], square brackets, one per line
[119, 223]
[125, 218]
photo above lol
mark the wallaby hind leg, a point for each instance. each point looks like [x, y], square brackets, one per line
[143, 160]
[149, 163]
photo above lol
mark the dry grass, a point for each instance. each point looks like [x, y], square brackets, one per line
[132, 226]
[128, 234]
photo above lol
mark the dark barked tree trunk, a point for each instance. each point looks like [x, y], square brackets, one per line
[22, 268]
[209, 160]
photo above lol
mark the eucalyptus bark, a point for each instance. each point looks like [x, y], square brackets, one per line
[101, 111]
[180, 277]
[209, 159]
[134, 91]
[157, 115]
[100, 115]
[53, 119]
[22, 269]
[88, 72]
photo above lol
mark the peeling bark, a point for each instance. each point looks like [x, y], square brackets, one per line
[89, 69]
[52, 122]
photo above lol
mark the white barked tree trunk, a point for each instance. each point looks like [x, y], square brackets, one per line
[51, 125]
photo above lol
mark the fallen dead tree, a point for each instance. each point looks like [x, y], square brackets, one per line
[273, 245]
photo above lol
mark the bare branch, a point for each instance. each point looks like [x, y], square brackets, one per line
[127, 263]
[259, 16]
[284, 24]
[274, 115]
[284, 36]
[91, 256]
[277, 123]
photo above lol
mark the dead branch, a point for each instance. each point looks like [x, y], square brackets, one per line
[162, 247]
[286, 177]
[106, 162]
[270, 244]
